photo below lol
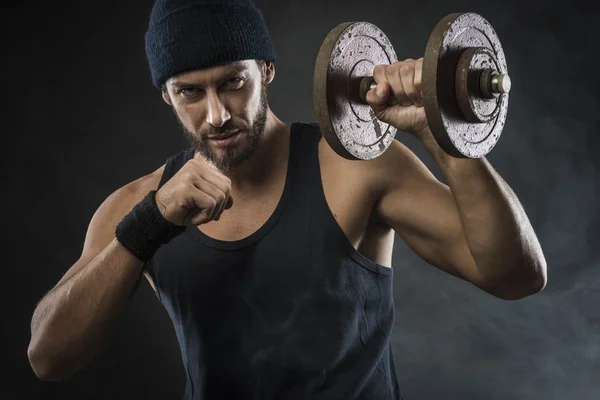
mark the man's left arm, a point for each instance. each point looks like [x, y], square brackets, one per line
[475, 227]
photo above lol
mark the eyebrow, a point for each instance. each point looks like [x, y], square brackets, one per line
[233, 69]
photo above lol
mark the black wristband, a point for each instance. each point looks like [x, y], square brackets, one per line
[144, 229]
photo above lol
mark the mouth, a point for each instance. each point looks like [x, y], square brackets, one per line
[223, 136]
[225, 139]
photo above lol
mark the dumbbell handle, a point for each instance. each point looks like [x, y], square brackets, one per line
[494, 83]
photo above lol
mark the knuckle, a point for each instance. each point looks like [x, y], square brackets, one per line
[405, 69]
[181, 186]
[389, 73]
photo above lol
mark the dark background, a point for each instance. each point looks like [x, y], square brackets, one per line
[84, 119]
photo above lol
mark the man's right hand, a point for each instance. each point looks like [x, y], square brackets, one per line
[198, 193]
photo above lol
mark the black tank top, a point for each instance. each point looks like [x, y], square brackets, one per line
[292, 311]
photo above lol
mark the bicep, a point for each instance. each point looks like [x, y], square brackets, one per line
[423, 212]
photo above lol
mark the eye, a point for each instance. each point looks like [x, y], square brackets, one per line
[234, 83]
[188, 91]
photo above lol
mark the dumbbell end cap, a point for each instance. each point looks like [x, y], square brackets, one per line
[501, 83]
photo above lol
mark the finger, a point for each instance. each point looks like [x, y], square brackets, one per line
[377, 98]
[208, 172]
[407, 75]
[419, 78]
[225, 186]
[219, 197]
[379, 73]
[222, 208]
[227, 204]
[381, 90]
[392, 73]
[214, 176]
[205, 206]
[200, 162]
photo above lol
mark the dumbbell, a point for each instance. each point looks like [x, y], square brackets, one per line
[465, 85]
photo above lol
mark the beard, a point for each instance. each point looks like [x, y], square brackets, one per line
[232, 157]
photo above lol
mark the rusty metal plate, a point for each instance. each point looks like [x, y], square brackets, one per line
[459, 132]
[349, 53]
[472, 76]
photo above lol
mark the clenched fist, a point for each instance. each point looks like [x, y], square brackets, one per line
[398, 99]
[196, 194]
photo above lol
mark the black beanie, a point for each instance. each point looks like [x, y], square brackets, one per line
[185, 35]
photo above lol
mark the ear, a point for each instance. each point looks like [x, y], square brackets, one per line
[165, 96]
[269, 71]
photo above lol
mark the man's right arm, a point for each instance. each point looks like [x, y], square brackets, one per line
[75, 320]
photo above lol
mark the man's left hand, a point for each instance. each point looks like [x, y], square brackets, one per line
[398, 100]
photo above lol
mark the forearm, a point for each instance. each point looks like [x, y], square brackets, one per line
[73, 322]
[496, 227]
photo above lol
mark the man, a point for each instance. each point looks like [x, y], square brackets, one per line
[271, 253]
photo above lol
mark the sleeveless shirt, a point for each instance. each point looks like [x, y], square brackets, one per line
[290, 312]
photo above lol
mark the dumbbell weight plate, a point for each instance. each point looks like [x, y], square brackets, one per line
[349, 53]
[460, 135]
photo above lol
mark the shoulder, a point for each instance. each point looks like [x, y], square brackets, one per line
[128, 195]
[122, 200]
[116, 205]
[395, 167]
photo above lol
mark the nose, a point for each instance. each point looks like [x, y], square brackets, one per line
[217, 114]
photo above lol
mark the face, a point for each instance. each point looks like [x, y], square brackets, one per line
[222, 110]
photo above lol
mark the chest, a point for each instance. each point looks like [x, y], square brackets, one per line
[349, 197]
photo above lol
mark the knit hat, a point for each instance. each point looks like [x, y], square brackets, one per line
[185, 35]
